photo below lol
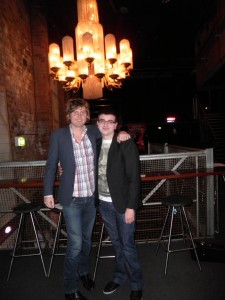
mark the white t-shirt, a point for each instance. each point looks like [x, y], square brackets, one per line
[103, 188]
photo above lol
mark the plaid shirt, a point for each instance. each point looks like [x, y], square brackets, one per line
[84, 184]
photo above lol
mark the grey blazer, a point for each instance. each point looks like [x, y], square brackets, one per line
[61, 149]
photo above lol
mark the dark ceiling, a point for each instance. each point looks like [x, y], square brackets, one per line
[162, 33]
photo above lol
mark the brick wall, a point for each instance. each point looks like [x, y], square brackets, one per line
[31, 104]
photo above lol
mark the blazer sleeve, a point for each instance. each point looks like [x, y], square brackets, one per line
[123, 175]
[132, 169]
[51, 165]
[60, 150]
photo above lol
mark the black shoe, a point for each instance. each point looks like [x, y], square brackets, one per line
[87, 281]
[136, 295]
[75, 296]
[110, 287]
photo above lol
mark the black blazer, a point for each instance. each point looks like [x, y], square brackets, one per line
[123, 174]
[61, 149]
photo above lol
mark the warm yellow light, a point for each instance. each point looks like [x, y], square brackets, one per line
[20, 141]
[97, 63]
[68, 52]
[110, 46]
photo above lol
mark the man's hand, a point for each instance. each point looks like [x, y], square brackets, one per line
[123, 136]
[129, 215]
[49, 201]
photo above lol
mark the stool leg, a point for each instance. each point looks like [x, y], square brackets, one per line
[41, 231]
[34, 223]
[169, 240]
[15, 245]
[182, 226]
[193, 244]
[98, 251]
[160, 238]
[56, 241]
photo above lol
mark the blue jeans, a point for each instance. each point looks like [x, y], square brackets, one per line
[79, 217]
[122, 237]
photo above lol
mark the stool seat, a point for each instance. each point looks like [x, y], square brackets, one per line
[176, 209]
[28, 211]
[177, 200]
[27, 207]
[57, 208]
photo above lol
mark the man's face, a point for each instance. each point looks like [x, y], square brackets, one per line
[78, 117]
[107, 125]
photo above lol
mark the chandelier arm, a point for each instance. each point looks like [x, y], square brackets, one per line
[75, 85]
[117, 84]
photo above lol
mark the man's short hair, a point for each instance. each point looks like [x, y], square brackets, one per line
[107, 110]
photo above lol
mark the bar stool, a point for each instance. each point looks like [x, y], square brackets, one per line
[99, 249]
[25, 211]
[176, 209]
[60, 236]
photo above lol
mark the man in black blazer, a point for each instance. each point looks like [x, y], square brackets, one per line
[74, 147]
[119, 198]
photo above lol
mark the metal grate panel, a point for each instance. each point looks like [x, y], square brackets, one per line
[149, 217]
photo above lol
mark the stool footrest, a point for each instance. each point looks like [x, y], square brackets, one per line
[28, 210]
[58, 238]
[173, 204]
[99, 248]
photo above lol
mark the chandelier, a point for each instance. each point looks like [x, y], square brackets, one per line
[97, 62]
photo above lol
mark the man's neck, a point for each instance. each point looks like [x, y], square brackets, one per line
[107, 137]
[77, 129]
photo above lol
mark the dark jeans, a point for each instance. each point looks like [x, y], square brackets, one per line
[79, 217]
[122, 237]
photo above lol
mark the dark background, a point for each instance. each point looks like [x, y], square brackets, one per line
[163, 36]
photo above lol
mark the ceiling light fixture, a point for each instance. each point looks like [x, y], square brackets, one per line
[97, 63]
